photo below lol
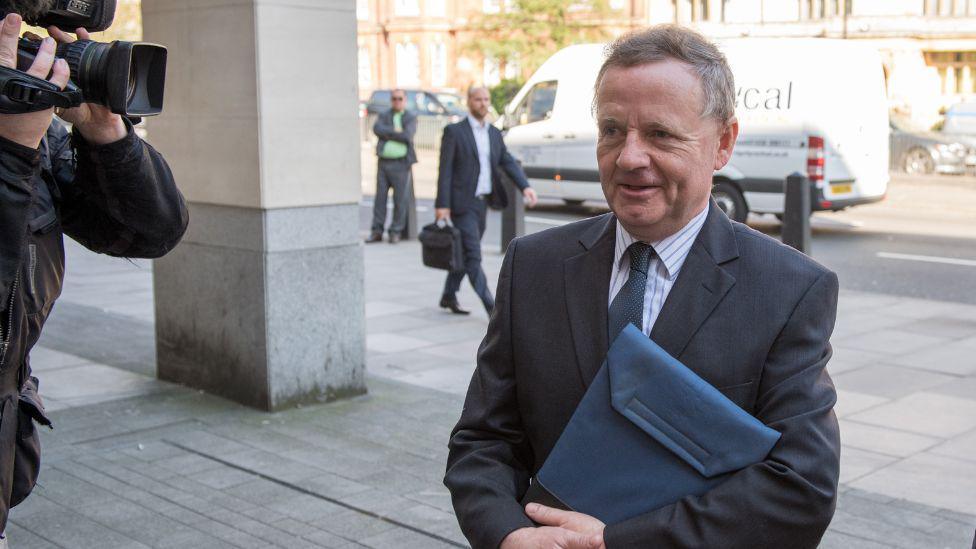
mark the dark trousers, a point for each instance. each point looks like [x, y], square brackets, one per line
[471, 223]
[393, 174]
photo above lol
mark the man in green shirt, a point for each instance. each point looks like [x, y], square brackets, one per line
[395, 130]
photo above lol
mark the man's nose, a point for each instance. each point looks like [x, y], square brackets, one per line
[633, 155]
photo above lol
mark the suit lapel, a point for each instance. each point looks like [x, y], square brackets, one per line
[587, 287]
[493, 137]
[701, 284]
[468, 134]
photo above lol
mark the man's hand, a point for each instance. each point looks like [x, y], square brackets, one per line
[547, 537]
[442, 213]
[582, 524]
[530, 197]
[27, 129]
[97, 124]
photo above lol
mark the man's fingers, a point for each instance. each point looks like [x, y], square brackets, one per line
[9, 33]
[41, 66]
[546, 515]
[573, 540]
[83, 33]
[60, 35]
[61, 74]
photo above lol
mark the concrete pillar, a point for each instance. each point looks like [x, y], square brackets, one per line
[263, 301]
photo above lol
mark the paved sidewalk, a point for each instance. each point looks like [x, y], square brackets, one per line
[135, 462]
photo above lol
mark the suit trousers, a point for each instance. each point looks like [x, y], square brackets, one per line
[395, 174]
[471, 223]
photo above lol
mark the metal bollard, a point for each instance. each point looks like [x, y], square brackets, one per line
[796, 212]
[513, 216]
[412, 230]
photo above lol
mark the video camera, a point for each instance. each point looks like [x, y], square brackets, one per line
[126, 77]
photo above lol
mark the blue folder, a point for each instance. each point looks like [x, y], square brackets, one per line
[647, 433]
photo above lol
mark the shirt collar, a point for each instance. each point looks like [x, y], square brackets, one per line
[671, 250]
[483, 125]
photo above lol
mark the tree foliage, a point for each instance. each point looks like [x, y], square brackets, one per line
[529, 31]
[504, 92]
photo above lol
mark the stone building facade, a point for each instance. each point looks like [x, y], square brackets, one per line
[928, 46]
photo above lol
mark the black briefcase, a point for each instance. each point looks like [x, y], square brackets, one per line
[441, 244]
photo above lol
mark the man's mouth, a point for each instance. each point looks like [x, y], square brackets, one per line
[637, 188]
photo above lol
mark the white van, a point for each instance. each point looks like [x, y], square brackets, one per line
[813, 106]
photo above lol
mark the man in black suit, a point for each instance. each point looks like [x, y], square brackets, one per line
[750, 316]
[472, 153]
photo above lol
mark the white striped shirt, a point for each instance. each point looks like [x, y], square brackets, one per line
[670, 255]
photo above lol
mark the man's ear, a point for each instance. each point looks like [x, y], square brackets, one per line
[726, 142]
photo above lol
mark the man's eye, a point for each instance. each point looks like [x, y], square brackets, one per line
[660, 134]
[609, 131]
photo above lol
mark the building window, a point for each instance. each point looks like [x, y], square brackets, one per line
[407, 65]
[513, 67]
[956, 70]
[438, 64]
[437, 8]
[492, 6]
[365, 69]
[362, 10]
[406, 8]
[491, 75]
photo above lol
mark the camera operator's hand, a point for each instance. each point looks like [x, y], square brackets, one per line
[97, 124]
[27, 129]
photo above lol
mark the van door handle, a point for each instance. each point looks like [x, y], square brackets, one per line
[570, 136]
[548, 136]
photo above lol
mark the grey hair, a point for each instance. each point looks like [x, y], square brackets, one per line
[670, 41]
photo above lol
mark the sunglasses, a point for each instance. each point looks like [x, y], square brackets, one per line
[398, 98]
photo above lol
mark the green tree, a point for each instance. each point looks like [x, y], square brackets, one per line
[504, 92]
[527, 32]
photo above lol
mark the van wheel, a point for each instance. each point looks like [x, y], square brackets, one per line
[572, 202]
[918, 161]
[730, 201]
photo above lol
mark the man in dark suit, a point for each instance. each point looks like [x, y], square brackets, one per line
[472, 155]
[750, 316]
[395, 129]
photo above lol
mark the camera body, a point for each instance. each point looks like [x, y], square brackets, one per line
[68, 15]
[126, 77]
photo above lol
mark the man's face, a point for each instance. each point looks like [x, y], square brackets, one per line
[655, 151]
[398, 100]
[478, 101]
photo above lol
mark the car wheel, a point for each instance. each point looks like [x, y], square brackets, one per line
[918, 161]
[730, 201]
[572, 202]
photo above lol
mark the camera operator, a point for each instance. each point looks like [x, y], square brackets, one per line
[102, 186]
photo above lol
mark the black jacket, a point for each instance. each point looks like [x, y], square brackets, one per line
[750, 316]
[118, 199]
[457, 180]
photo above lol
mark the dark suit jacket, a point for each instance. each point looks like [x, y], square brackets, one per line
[457, 179]
[384, 130]
[748, 314]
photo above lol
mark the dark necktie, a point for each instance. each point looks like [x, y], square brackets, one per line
[628, 305]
